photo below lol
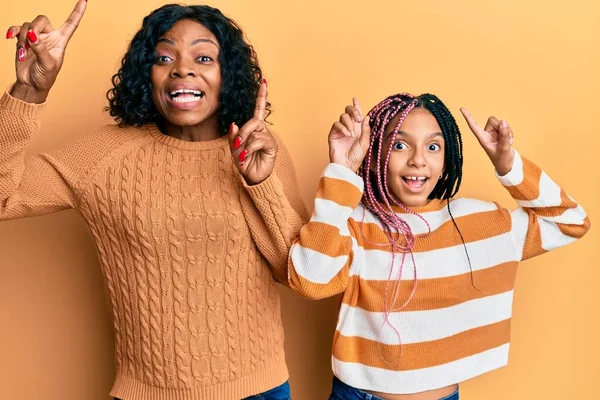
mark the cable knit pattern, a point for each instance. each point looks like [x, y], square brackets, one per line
[111, 288]
[189, 252]
[232, 242]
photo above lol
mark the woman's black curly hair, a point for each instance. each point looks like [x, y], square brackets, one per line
[130, 99]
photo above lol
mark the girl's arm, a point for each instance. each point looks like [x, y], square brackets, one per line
[320, 259]
[547, 217]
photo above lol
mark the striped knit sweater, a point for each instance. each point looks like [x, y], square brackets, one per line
[457, 325]
[189, 253]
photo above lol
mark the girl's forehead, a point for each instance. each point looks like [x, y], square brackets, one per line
[417, 122]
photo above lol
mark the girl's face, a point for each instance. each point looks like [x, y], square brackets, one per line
[186, 78]
[417, 157]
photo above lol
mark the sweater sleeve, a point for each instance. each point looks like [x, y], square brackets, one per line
[547, 217]
[275, 212]
[320, 259]
[39, 185]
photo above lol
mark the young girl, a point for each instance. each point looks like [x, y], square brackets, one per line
[427, 279]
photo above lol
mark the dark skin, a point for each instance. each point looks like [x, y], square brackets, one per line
[349, 143]
[40, 54]
[253, 147]
[349, 139]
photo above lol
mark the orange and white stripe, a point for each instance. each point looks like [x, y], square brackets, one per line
[457, 325]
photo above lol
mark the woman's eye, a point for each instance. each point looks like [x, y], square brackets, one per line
[163, 59]
[399, 146]
[204, 59]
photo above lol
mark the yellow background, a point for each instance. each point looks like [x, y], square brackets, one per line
[535, 63]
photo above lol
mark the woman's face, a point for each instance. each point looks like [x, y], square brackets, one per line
[186, 77]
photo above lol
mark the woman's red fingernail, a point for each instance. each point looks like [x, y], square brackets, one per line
[31, 36]
[243, 155]
[237, 142]
[9, 34]
[264, 81]
[21, 54]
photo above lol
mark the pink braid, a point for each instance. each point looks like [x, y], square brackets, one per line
[394, 226]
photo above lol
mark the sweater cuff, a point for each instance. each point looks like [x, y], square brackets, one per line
[341, 172]
[269, 188]
[19, 107]
[515, 176]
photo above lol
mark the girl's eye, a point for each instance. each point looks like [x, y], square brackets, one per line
[399, 146]
[434, 147]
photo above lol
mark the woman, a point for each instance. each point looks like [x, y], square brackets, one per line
[191, 201]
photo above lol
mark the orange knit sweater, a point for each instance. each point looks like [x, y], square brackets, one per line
[188, 251]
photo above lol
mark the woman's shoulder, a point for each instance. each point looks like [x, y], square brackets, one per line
[110, 136]
[89, 153]
[102, 142]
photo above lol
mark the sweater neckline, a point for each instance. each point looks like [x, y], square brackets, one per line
[184, 144]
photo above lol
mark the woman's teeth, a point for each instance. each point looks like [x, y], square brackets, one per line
[186, 95]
